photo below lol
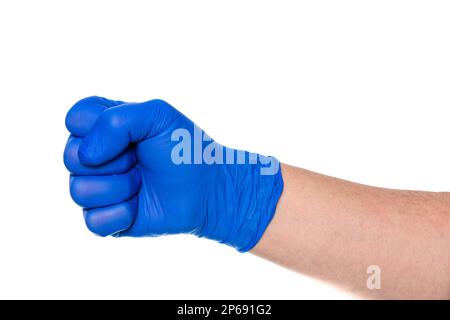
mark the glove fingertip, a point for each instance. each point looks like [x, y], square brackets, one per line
[110, 220]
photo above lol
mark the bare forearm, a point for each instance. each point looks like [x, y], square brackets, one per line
[334, 230]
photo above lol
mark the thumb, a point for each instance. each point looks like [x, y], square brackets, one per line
[119, 126]
[82, 116]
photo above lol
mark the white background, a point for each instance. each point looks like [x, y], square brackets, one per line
[354, 89]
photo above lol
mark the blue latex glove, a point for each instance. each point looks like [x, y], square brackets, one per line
[144, 169]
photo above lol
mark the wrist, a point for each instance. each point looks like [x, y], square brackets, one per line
[240, 208]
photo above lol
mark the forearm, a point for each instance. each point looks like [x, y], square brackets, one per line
[334, 230]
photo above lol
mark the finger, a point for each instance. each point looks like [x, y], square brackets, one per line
[119, 126]
[82, 116]
[99, 191]
[121, 164]
[112, 219]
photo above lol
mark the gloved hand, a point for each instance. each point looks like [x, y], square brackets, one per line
[144, 169]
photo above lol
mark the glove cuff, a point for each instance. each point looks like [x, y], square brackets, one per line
[244, 204]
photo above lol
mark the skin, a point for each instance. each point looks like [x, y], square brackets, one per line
[333, 230]
[324, 227]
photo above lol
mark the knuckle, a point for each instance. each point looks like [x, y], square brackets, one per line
[160, 104]
[91, 99]
[113, 118]
[158, 101]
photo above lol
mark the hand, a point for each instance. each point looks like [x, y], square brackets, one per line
[144, 169]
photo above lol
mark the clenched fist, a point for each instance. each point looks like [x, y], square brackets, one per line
[145, 169]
